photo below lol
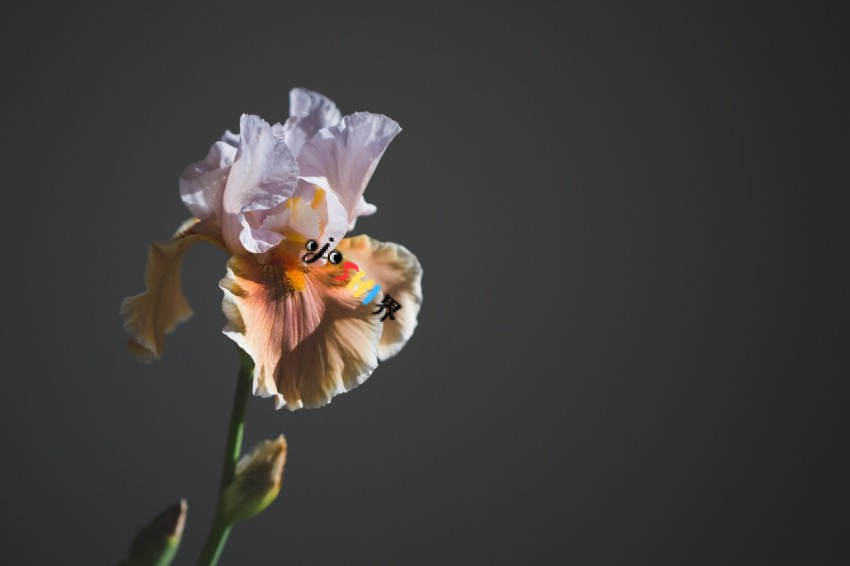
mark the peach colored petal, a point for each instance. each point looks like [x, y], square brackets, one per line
[310, 339]
[399, 274]
[149, 316]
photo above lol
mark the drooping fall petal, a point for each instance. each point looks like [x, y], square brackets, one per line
[310, 339]
[150, 315]
[347, 155]
[399, 274]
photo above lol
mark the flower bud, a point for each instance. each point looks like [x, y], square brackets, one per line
[156, 543]
[256, 482]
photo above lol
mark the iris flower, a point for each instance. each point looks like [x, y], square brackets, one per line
[260, 195]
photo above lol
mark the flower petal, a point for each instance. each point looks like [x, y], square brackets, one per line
[149, 316]
[263, 175]
[254, 237]
[347, 154]
[294, 219]
[362, 208]
[230, 138]
[311, 213]
[309, 112]
[202, 183]
[310, 339]
[399, 274]
[333, 216]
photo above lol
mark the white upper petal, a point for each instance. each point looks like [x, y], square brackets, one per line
[313, 212]
[263, 175]
[254, 237]
[347, 154]
[362, 208]
[308, 113]
[202, 183]
[331, 211]
[230, 138]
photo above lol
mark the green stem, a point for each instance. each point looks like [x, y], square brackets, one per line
[220, 528]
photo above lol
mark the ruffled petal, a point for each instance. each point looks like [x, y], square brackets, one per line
[254, 237]
[263, 175]
[310, 339]
[362, 208]
[347, 155]
[230, 138]
[311, 213]
[202, 183]
[309, 112]
[332, 215]
[399, 274]
[149, 316]
[294, 219]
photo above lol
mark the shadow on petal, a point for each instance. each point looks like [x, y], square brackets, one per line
[309, 338]
[399, 274]
[150, 315]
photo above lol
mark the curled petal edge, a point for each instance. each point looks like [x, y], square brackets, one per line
[399, 273]
[150, 315]
[309, 338]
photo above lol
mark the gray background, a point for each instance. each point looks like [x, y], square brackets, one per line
[632, 219]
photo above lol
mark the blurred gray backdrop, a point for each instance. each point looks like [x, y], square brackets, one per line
[632, 219]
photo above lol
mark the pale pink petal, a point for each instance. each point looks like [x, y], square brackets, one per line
[294, 220]
[399, 274]
[310, 339]
[334, 218]
[311, 213]
[202, 183]
[230, 138]
[149, 316]
[254, 237]
[263, 175]
[309, 112]
[347, 154]
[362, 208]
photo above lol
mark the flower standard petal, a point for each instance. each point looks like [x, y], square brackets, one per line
[231, 139]
[362, 208]
[399, 274]
[263, 175]
[313, 212]
[347, 155]
[332, 214]
[309, 112]
[310, 339]
[202, 183]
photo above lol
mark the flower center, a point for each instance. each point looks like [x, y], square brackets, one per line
[293, 276]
